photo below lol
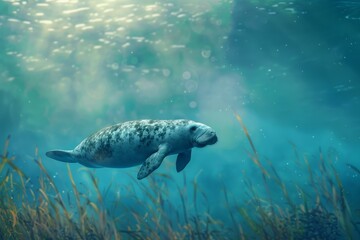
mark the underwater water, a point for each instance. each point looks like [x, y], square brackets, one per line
[279, 82]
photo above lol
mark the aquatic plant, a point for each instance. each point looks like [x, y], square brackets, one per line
[323, 214]
[319, 210]
[45, 214]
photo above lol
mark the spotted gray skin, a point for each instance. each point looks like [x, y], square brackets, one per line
[145, 142]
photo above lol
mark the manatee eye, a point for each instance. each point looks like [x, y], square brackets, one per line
[193, 128]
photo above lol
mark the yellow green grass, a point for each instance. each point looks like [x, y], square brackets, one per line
[318, 211]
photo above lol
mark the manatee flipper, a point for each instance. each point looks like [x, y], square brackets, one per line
[62, 155]
[182, 160]
[152, 162]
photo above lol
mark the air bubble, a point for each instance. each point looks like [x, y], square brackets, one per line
[206, 53]
[115, 66]
[192, 104]
[166, 72]
[186, 75]
[191, 85]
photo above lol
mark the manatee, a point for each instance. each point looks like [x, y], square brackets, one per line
[145, 142]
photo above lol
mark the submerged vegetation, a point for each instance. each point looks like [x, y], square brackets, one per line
[319, 211]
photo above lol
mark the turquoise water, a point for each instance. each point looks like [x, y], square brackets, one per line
[289, 68]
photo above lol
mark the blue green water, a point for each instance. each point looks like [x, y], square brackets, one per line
[289, 68]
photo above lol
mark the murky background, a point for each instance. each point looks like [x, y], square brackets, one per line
[289, 68]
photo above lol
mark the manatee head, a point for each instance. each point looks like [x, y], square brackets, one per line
[201, 134]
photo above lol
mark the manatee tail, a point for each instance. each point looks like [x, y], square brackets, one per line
[62, 155]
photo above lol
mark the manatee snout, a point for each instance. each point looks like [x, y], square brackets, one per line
[213, 139]
[209, 137]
